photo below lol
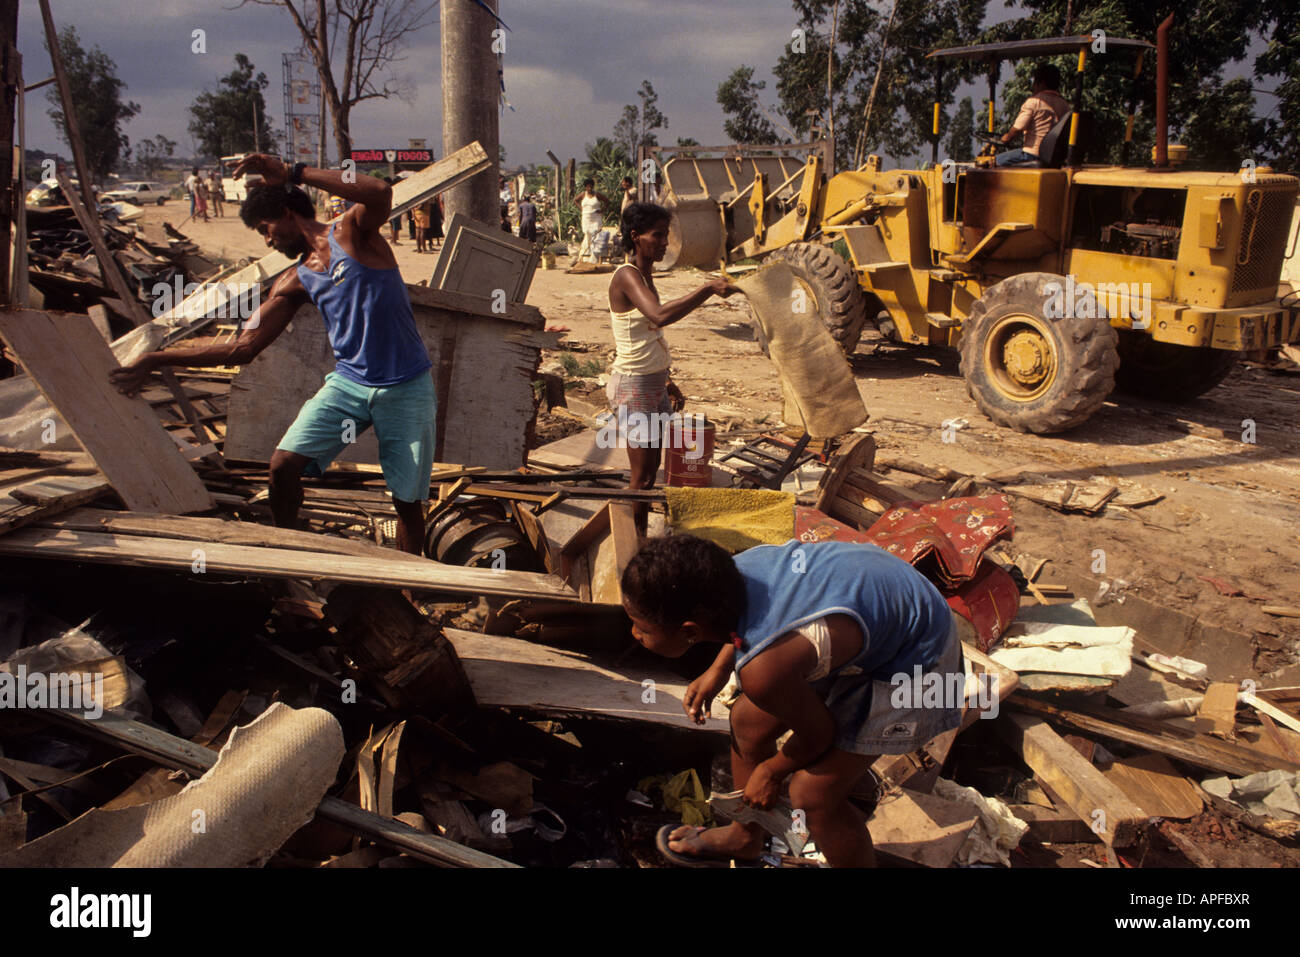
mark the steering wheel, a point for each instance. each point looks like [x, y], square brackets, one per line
[992, 138]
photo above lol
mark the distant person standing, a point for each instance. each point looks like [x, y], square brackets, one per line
[422, 220]
[434, 232]
[191, 187]
[528, 219]
[592, 204]
[200, 199]
[629, 193]
[216, 190]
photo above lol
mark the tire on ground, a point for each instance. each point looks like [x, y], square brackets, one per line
[1162, 370]
[1011, 319]
[834, 285]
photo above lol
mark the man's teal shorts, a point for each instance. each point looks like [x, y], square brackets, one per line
[404, 417]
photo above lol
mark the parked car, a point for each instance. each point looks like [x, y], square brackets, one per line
[138, 193]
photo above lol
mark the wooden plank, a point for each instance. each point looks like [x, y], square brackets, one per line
[220, 530]
[1199, 750]
[507, 672]
[179, 555]
[1113, 817]
[1155, 786]
[70, 364]
[173, 752]
[44, 498]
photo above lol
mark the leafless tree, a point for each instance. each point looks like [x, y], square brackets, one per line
[363, 39]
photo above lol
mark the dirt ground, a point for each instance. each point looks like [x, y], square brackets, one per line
[1229, 508]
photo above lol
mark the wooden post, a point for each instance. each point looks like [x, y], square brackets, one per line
[10, 80]
[470, 88]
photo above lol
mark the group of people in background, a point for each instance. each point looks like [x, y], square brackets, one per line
[206, 193]
[423, 223]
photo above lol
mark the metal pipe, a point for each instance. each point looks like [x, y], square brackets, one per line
[1162, 92]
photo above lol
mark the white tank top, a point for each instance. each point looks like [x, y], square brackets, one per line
[591, 209]
[641, 346]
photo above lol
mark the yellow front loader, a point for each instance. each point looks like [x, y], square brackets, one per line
[1056, 283]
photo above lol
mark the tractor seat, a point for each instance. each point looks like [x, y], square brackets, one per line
[1055, 148]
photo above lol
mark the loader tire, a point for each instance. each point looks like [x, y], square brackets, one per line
[1162, 370]
[833, 284]
[1032, 371]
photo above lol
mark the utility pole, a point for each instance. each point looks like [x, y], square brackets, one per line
[10, 78]
[470, 92]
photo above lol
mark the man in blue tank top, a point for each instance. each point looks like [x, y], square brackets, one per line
[381, 376]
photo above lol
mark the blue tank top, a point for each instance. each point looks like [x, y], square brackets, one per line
[368, 319]
[905, 621]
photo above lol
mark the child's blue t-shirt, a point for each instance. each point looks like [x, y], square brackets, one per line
[905, 621]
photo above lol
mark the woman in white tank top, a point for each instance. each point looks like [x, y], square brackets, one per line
[639, 388]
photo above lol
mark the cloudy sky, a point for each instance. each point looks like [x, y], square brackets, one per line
[570, 65]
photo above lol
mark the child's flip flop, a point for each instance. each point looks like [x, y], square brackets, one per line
[685, 860]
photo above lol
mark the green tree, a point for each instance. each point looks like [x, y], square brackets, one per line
[151, 154]
[738, 97]
[100, 110]
[222, 122]
[961, 132]
[638, 124]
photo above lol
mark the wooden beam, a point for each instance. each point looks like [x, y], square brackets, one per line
[69, 361]
[155, 525]
[173, 752]
[219, 558]
[1103, 806]
[1199, 750]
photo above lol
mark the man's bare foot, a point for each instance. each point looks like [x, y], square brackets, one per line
[732, 841]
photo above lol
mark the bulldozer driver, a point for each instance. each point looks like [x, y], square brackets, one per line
[1037, 116]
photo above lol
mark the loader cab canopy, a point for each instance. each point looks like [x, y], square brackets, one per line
[992, 54]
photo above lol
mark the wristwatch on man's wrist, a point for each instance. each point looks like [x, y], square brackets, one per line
[295, 174]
